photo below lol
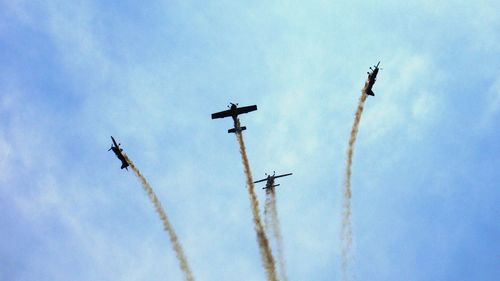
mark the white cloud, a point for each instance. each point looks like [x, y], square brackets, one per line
[5, 151]
[307, 91]
[494, 97]
[489, 118]
[407, 96]
[423, 106]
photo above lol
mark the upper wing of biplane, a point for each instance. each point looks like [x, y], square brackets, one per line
[283, 175]
[260, 180]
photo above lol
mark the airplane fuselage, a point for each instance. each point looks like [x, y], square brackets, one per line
[234, 113]
[372, 77]
[118, 152]
[270, 184]
[270, 181]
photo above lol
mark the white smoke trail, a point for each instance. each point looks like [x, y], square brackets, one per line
[179, 252]
[346, 233]
[273, 224]
[265, 249]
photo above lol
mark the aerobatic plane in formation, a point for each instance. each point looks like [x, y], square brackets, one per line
[118, 152]
[234, 111]
[270, 181]
[372, 77]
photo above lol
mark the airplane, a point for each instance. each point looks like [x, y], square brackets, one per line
[270, 180]
[233, 111]
[371, 80]
[118, 151]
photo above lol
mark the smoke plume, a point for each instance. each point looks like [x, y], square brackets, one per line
[265, 249]
[346, 233]
[179, 252]
[267, 212]
[273, 225]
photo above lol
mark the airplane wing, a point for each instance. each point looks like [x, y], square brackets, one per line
[113, 139]
[222, 114]
[283, 175]
[246, 109]
[260, 180]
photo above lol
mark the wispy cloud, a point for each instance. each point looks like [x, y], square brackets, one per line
[150, 74]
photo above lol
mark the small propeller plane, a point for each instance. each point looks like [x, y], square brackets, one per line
[118, 152]
[270, 181]
[372, 77]
[234, 111]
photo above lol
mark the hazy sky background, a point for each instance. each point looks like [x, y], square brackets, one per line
[426, 165]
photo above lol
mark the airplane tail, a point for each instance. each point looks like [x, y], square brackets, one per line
[234, 130]
[124, 166]
[370, 93]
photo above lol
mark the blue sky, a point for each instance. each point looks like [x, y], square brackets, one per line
[425, 173]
